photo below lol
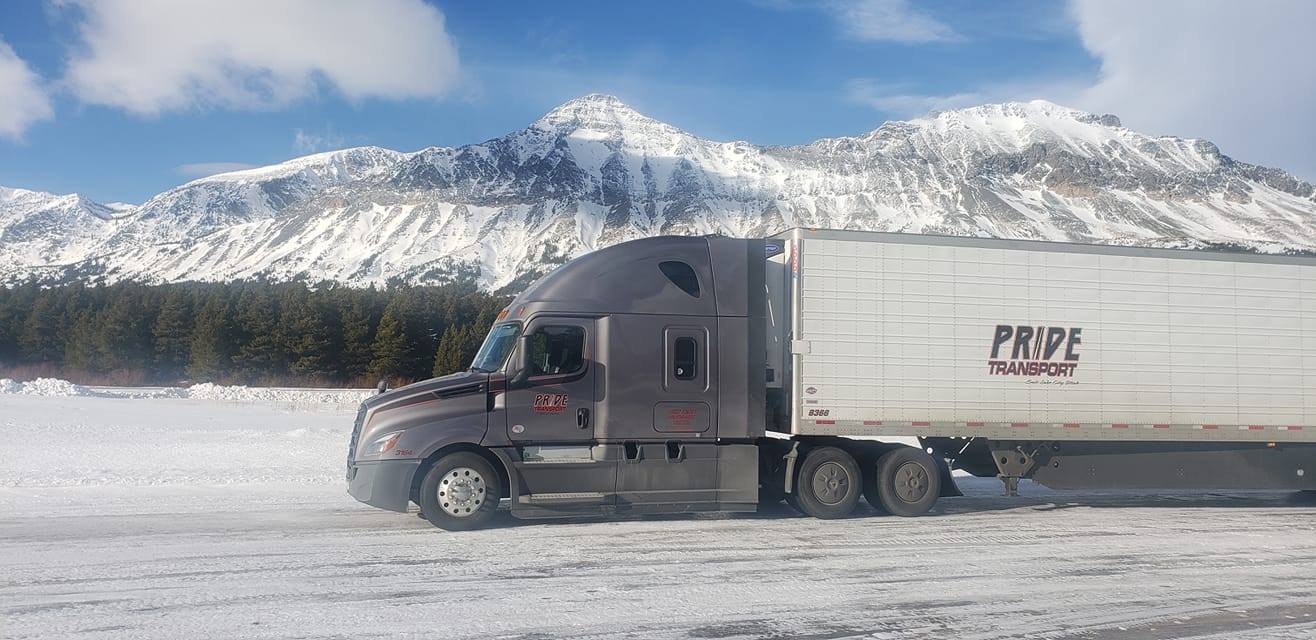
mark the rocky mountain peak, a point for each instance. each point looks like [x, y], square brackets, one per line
[590, 109]
[601, 115]
[594, 171]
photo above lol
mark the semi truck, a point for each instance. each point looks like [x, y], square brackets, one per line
[822, 367]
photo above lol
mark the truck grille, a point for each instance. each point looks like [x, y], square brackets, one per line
[356, 434]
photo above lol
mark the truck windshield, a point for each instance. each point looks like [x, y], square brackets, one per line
[496, 347]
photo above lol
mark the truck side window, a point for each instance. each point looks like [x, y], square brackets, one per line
[557, 350]
[685, 360]
[682, 275]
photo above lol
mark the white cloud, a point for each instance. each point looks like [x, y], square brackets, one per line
[203, 169]
[874, 20]
[314, 141]
[1237, 73]
[150, 56]
[888, 20]
[24, 101]
[900, 101]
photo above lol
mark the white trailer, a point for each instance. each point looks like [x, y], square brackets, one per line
[1020, 347]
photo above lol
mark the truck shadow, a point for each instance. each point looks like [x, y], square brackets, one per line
[980, 498]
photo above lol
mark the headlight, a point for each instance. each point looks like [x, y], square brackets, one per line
[383, 444]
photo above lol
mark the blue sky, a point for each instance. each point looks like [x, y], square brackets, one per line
[118, 100]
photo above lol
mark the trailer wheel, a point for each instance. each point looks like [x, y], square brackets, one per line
[870, 491]
[829, 484]
[906, 482]
[460, 492]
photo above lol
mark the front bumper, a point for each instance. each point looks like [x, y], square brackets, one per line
[385, 484]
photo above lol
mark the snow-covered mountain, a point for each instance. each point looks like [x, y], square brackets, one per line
[593, 172]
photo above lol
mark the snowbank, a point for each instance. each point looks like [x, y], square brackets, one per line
[44, 387]
[54, 387]
[209, 391]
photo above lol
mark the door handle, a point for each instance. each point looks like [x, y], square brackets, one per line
[582, 418]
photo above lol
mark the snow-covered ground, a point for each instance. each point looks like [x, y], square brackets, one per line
[172, 513]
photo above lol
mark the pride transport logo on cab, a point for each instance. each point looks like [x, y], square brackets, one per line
[1022, 350]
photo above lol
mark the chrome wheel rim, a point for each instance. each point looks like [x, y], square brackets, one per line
[831, 483]
[911, 482]
[461, 492]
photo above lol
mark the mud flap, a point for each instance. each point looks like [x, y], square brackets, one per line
[948, 487]
[941, 449]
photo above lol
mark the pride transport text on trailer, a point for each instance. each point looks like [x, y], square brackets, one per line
[646, 378]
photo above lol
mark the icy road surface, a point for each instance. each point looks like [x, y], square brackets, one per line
[187, 517]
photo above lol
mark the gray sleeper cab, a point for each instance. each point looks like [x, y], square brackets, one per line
[629, 380]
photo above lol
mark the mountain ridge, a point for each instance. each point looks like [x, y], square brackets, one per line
[594, 171]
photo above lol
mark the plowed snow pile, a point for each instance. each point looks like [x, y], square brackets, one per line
[44, 387]
[53, 387]
[208, 391]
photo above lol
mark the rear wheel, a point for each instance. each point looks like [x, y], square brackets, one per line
[460, 492]
[829, 484]
[870, 490]
[906, 482]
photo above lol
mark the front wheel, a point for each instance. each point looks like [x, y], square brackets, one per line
[460, 492]
[906, 482]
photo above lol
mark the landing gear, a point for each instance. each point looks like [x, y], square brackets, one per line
[1016, 461]
[906, 482]
[829, 484]
[460, 492]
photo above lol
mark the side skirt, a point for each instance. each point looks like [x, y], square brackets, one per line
[1159, 465]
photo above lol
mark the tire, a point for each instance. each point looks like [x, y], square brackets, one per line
[828, 485]
[460, 492]
[870, 491]
[906, 482]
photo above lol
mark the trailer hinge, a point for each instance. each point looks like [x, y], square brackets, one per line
[800, 347]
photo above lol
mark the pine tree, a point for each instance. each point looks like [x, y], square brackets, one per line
[471, 341]
[308, 338]
[11, 306]
[211, 355]
[394, 357]
[260, 352]
[172, 333]
[123, 335]
[41, 339]
[448, 357]
[356, 330]
[416, 311]
[81, 351]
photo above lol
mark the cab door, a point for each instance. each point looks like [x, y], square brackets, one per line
[550, 418]
[555, 402]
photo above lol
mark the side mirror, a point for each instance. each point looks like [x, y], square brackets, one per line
[522, 361]
[382, 386]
